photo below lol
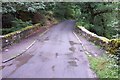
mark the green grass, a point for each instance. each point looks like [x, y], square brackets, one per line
[104, 66]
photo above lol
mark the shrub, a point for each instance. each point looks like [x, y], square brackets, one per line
[18, 24]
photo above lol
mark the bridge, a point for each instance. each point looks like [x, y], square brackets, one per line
[58, 52]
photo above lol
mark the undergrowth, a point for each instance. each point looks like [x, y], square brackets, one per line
[104, 66]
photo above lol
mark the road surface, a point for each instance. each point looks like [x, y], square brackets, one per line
[57, 54]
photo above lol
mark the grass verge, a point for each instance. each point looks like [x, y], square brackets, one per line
[104, 66]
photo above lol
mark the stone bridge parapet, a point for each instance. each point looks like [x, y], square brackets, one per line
[110, 45]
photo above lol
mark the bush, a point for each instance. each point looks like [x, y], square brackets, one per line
[6, 30]
[39, 18]
[17, 25]
[88, 26]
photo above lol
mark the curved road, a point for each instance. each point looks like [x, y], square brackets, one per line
[57, 54]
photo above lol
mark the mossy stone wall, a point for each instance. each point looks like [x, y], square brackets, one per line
[17, 36]
[110, 45]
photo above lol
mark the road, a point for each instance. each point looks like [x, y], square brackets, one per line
[57, 54]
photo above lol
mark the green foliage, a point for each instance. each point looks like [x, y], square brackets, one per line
[64, 10]
[6, 30]
[104, 66]
[30, 7]
[100, 18]
[17, 25]
[88, 26]
[8, 7]
[23, 29]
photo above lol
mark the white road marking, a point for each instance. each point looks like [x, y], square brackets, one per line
[82, 45]
[15, 56]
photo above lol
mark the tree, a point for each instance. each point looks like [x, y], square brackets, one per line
[100, 16]
[11, 7]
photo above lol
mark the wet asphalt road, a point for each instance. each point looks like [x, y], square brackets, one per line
[57, 54]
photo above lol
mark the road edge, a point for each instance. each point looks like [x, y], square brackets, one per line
[13, 57]
[82, 44]
[87, 53]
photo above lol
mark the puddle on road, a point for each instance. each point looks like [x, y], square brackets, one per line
[53, 68]
[23, 59]
[60, 40]
[74, 58]
[2, 67]
[69, 54]
[56, 55]
[44, 57]
[42, 40]
[81, 50]
[72, 43]
[72, 49]
[46, 39]
[72, 63]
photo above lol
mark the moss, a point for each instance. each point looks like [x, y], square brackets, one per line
[10, 34]
[38, 24]
[113, 46]
[26, 28]
[23, 29]
[78, 26]
[104, 39]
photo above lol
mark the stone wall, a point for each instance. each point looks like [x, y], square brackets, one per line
[15, 37]
[111, 45]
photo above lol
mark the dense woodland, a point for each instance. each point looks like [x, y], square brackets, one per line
[100, 18]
